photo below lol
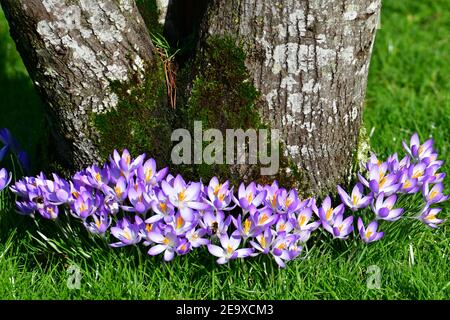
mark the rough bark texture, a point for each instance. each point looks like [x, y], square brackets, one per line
[74, 50]
[309, 59]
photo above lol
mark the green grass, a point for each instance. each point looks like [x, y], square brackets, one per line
[408, 91]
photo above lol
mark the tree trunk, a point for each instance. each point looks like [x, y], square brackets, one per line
[74, 51]
[307, 62]
[310, 61]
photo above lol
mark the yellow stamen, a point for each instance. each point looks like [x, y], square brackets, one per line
[217, 189]
[163, 206]
[118, 191]
[75, 194]
[355, 200]
[430, 217]
[183, 247]
[288, 202]
[302, 220]
[417, 174]
[250, 197]
[98, 223]
[433, 195]
[421, 149]
[166, 241]
[262, 240]
[181, 196]
[98, 177]
[149, 227]
[369, 234]
[221, 197]
[282, 246]
[229, 250]
[180, 222]
[127, 159]
[274, 200]
[282, 227]
[378, 163]
[407, 184]
[148, 175]
[263, 219]
[329, 213]
[382, 182]
[247, 225]
[82, 208]
[126, 235]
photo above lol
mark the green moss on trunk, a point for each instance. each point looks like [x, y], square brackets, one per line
[141, 122]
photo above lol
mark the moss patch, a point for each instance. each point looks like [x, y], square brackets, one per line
[150, 13]
[141, 122]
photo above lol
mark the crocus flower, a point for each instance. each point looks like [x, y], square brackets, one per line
[380, 181]
[139, 198]
[429, 216]
[123, 165]
[215, 224]
[250, 196]
[383, 209]
[419, 151]
[149, 174]
[418, 172]
[5, 179]
[180, 226]
[127, 232]
[408, 184]
[100, 224]
[285, 249]
[84, 206]
[166, 241]
[264, 241]
[327, 213]
[357, 199]
[341, 227]
[229, 249]
[301, 220]
[220, 196]
[184, 247]
[162, 208]
[195, 237]
[246, 228]
[370, 234]
[184, 197]
[289, 201]
[434, 195]
[283, 225]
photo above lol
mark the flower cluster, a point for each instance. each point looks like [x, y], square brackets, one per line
[137, 203]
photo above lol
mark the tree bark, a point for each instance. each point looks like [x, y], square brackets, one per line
[310, 61]
[73, 51]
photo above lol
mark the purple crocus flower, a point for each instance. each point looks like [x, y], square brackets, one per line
[407, 184]
[434, 195]
[429, 217]
[285, 249]
[263, 218]
[302, 219]
[380, 181]
[357, 199]
[127, 232]
[123, 165]
[264, 241]
[229, 249]
[149, 174]
[246, 228]
[84, 206]
[195, 237]
[283, 225]
[419, 151]
[139, 198]
[184, 247]
[215, 224]
[250, 196]
[289, 201]
[180, 226]
[341, 227]
[370, 234]
[100, 224]
[166, 241]
[162, 208]
[383, 209]
[418, 172]
[184, 197]
[220, 196]
[96, 177]
[5, 179]
[327, 213]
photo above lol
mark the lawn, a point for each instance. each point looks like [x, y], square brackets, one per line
[408, 92]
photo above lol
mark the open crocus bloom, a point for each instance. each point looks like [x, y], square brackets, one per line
[429, 216]
[341, 227]
[370, 234]
[220, 195]
[229, 249]
[434, 195]
[185, 197]
[357, 200]
[380, 180]
[166, 241]
[419, 151]
[128, 233]
[383, 209]
[327, 213]
[250, 197]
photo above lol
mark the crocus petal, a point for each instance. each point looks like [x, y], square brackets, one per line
[154, 251]
[216, 250]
